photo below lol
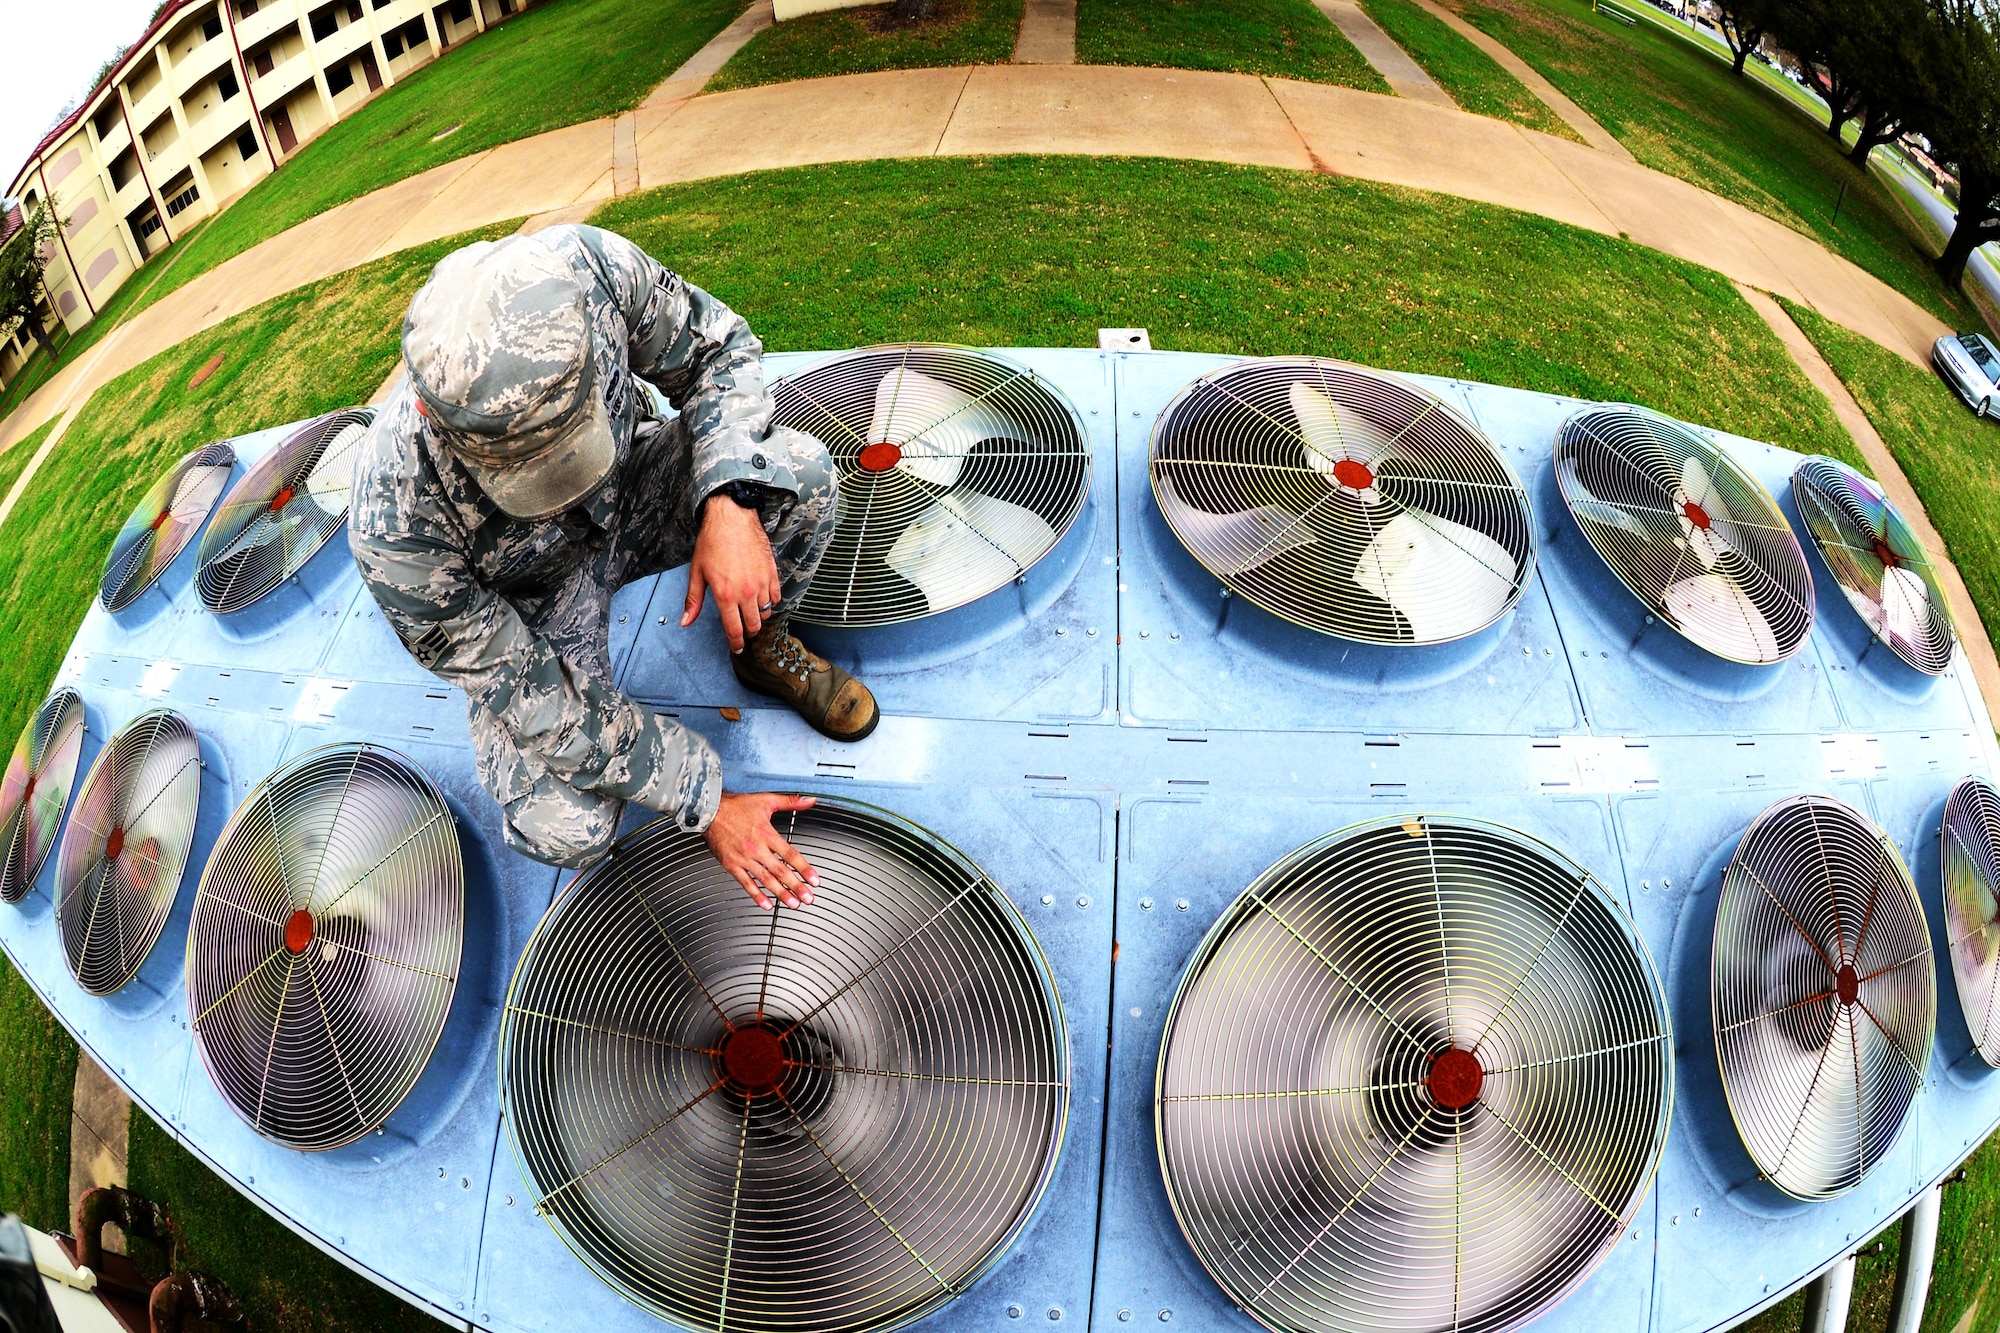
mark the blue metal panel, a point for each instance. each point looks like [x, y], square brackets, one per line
[1123, 768]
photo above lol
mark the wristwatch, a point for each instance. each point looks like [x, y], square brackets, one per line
[748, 494]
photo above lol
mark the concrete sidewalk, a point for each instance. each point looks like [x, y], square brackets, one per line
[1093, 110]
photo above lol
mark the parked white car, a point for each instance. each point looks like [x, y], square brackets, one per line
[1970, 364]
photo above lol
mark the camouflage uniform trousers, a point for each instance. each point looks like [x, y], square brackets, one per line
[655, 531]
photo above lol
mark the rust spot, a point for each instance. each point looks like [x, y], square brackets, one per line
[731, 714]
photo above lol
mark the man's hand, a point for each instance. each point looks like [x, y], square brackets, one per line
[732, 561]
[748, 847]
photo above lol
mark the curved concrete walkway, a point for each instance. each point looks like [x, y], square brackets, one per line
[1092, 110]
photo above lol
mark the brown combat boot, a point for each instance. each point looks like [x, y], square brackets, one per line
[778, 666]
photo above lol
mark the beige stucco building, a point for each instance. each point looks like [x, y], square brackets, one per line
[211, 99]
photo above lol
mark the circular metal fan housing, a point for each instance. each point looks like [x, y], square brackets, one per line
[165, 521]
[1823, 995]
[1417, 1077]
[958, 470]
[834, 1118]
[1878, 562]
[1971, 852]
[1345, 500]
[126, 848]
[282, 511]
[36, 788]
[1693, 535]
[324, 949]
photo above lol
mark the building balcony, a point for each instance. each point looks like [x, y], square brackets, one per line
[133, 194]
[201, 63]
[114, 143]
[147, 109]
[269, 18]
[217, 124]
[282, 80]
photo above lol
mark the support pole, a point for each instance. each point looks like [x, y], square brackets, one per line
[1828, 1297]
[1913, 1266]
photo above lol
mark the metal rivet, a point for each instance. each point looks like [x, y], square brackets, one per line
[1062, 634]
[1175, 636]
[1015, 1312]
[465, 1182]
[1166, 1316]
[1083, 900]
[440, 1173]
[1548, 652]
[1092, 631]
[1677, 1220]
[1145, 904]
[623, 619]
[510, 1201]
[1124, 1316]
[1181, 903]
[1145, 634]
[1697, 1212]
[1055, 1314]
[661, 621]
[1048, 900]
[1645, 886]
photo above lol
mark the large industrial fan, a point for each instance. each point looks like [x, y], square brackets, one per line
[324, 949]
[1344, 500]
[166, 520]
[1692, 534]
[1971, 853]
[36, 788]
[1823, 995]
[1417, 1077]
[126, 847]
[282, 511]
[958, 470]
[827, 1119]
[1878, 562]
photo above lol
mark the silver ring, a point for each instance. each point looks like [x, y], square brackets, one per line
[768, 607]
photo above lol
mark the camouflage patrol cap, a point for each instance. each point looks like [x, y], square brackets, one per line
[498, 346]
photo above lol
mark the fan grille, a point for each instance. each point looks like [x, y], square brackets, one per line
[958, 471]
[36, 788]
[1417, 1077]
[829, 1119]
[126, 848]
[162, 525]
[324, 949]
[1343, 500]
[1692, 534]
[1878, 562]
[282, 511]
[1823, 993]
[1971, 853]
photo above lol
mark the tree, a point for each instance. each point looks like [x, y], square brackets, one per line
[1742, 26]
[23, 259]
[1960, 116]
[1865, 57]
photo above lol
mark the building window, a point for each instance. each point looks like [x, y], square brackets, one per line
[245, 8]
[227, 85]
[106, 119]
[339, 79]
[324, 24]
[461, 11]
[384, 4]
[182, 201]
[354, 11]
[262, 62]
[246, 144]
[392, 44]
[211, 27]
[148, 224]
[414, 34]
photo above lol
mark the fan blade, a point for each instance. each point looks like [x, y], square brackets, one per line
[1445, 578]
[935, 425]
[1334, 431]
[1907, 613]
[331, 477]
[967, 538]
[1599, 511]
[1716, 606]
[1694, 482]
[1252, 538]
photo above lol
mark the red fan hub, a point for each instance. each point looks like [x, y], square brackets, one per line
[1848, 983]
[1697, 515]
[282, 498]
[880, 457]
[114, 844]
[28, 790]
[299, 931]
[1455, 1079]
[165, 516]
[1355, 476]
[753, 1058]
[1888, 557]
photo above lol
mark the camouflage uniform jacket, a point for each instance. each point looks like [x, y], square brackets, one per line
[460, 581]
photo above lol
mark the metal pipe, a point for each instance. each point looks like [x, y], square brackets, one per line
[1828, 1299]
[1913, 1265]
[192, 1297]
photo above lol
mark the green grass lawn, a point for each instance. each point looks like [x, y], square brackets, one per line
[1042, 251]
[1287, 38]
[1680, 111]
[560, 63]
[17, 456]
[37, 1073]
[1474, 79]
[1951, 457]
[854, 41]
[285, 1285]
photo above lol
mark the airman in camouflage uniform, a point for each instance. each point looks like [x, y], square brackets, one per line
[518, 476]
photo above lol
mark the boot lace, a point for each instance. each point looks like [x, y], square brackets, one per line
[792, 658]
